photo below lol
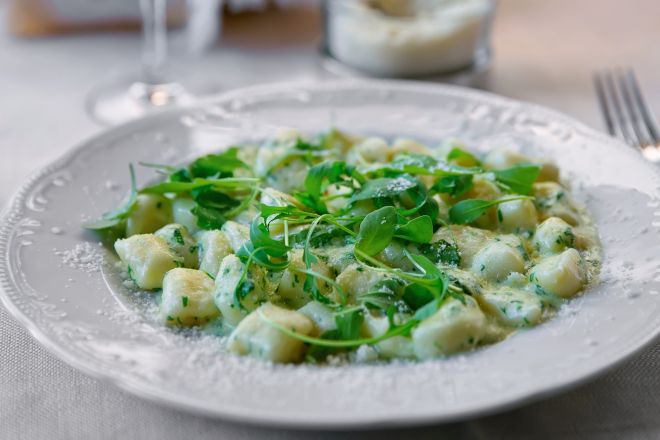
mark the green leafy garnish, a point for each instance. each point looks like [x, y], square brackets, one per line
[467, 211]
[413, 164]
[330, 172]
[383, 295]
[260, 239]
[455, 185]
[217, 165]
[420, 164]
[263, 250]
[416, 297]
[519, 179]
[228, 183]
[376, 230]
[349, 323]
[383, 187]
[417, 230]
[436, 281]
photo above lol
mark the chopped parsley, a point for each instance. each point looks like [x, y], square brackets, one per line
[177, 236]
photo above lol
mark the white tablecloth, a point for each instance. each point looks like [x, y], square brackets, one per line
[545, 53]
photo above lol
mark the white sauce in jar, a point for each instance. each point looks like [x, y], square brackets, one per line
[406, 37]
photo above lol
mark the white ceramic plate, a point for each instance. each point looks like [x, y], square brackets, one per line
[52, 280]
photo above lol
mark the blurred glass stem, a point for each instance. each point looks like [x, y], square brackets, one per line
[155, 87]
[156, 83]
[154, 46]
[204, 25]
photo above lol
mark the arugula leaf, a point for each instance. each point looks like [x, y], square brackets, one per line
[441, 251]
[424, 265]
[467, 211]
[349, 323]
[181, 175]
[411, 163]
[420, 164]
[258, 256]
[315, 204]
[427, 310]
[383, 187]
[270, 213]
[212, 165]
[262, 246]
[172, 187]
[418, 230]
[454, 185]
[519, 178]
[113, 218]
[430, 208]
[218, 165]
[449, 169]
[265, 211]
[259, 249]
[376, 230]
[208, 218]
[211, 207]
[180, 187]
[261, 239]
[382, 296]
[416, 296]
[211, 198]
[417, 197]
[438, 281]
[304, 145]
[330, 171]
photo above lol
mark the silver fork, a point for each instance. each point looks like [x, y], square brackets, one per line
[625, 111]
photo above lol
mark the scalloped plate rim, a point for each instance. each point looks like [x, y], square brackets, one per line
[13, 208]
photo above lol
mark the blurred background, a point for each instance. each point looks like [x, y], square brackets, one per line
[542, 51]
[69, 57]
[71, 68]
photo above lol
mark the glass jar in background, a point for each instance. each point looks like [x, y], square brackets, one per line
[409, 38]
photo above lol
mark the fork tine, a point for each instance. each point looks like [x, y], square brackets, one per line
[633, 110]
[647, 115]
[625, 111]
[604, 104]
[619, 113]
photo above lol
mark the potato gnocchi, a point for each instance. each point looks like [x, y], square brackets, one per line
[305, 248]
